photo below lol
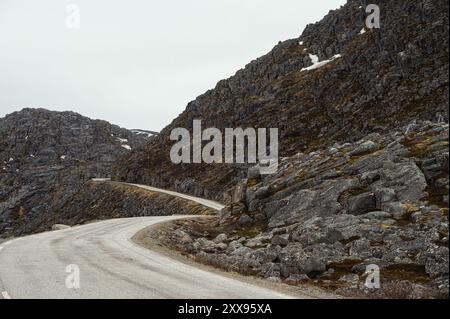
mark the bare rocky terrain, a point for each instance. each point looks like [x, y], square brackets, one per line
[363, 175]
[327, 215]
[364, 146]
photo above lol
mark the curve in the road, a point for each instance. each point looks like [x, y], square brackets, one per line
[111, 265]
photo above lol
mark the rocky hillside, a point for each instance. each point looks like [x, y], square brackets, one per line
[327, 215]
[364, 146]
[46, 157]
[379, 80]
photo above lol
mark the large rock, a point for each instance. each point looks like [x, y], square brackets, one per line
[361, 204]
[364, 148]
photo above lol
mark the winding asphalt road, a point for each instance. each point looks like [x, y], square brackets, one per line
[111, 265]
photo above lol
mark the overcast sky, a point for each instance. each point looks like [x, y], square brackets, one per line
[136, 63]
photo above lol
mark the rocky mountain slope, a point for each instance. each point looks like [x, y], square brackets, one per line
[364, 146]
[384, 78]
[46, 157]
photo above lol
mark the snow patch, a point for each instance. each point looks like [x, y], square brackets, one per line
[123, 141]
[11, 159]
[317, 64]
[63, 157]
[143, 133]
[147, 134]
[314, 58]
[363, 30]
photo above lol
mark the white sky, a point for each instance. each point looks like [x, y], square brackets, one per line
[136, 63]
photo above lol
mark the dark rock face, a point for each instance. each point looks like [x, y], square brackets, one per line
[385, 79]
[46, 157]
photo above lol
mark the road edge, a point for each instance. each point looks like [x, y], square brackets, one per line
[298, 292]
